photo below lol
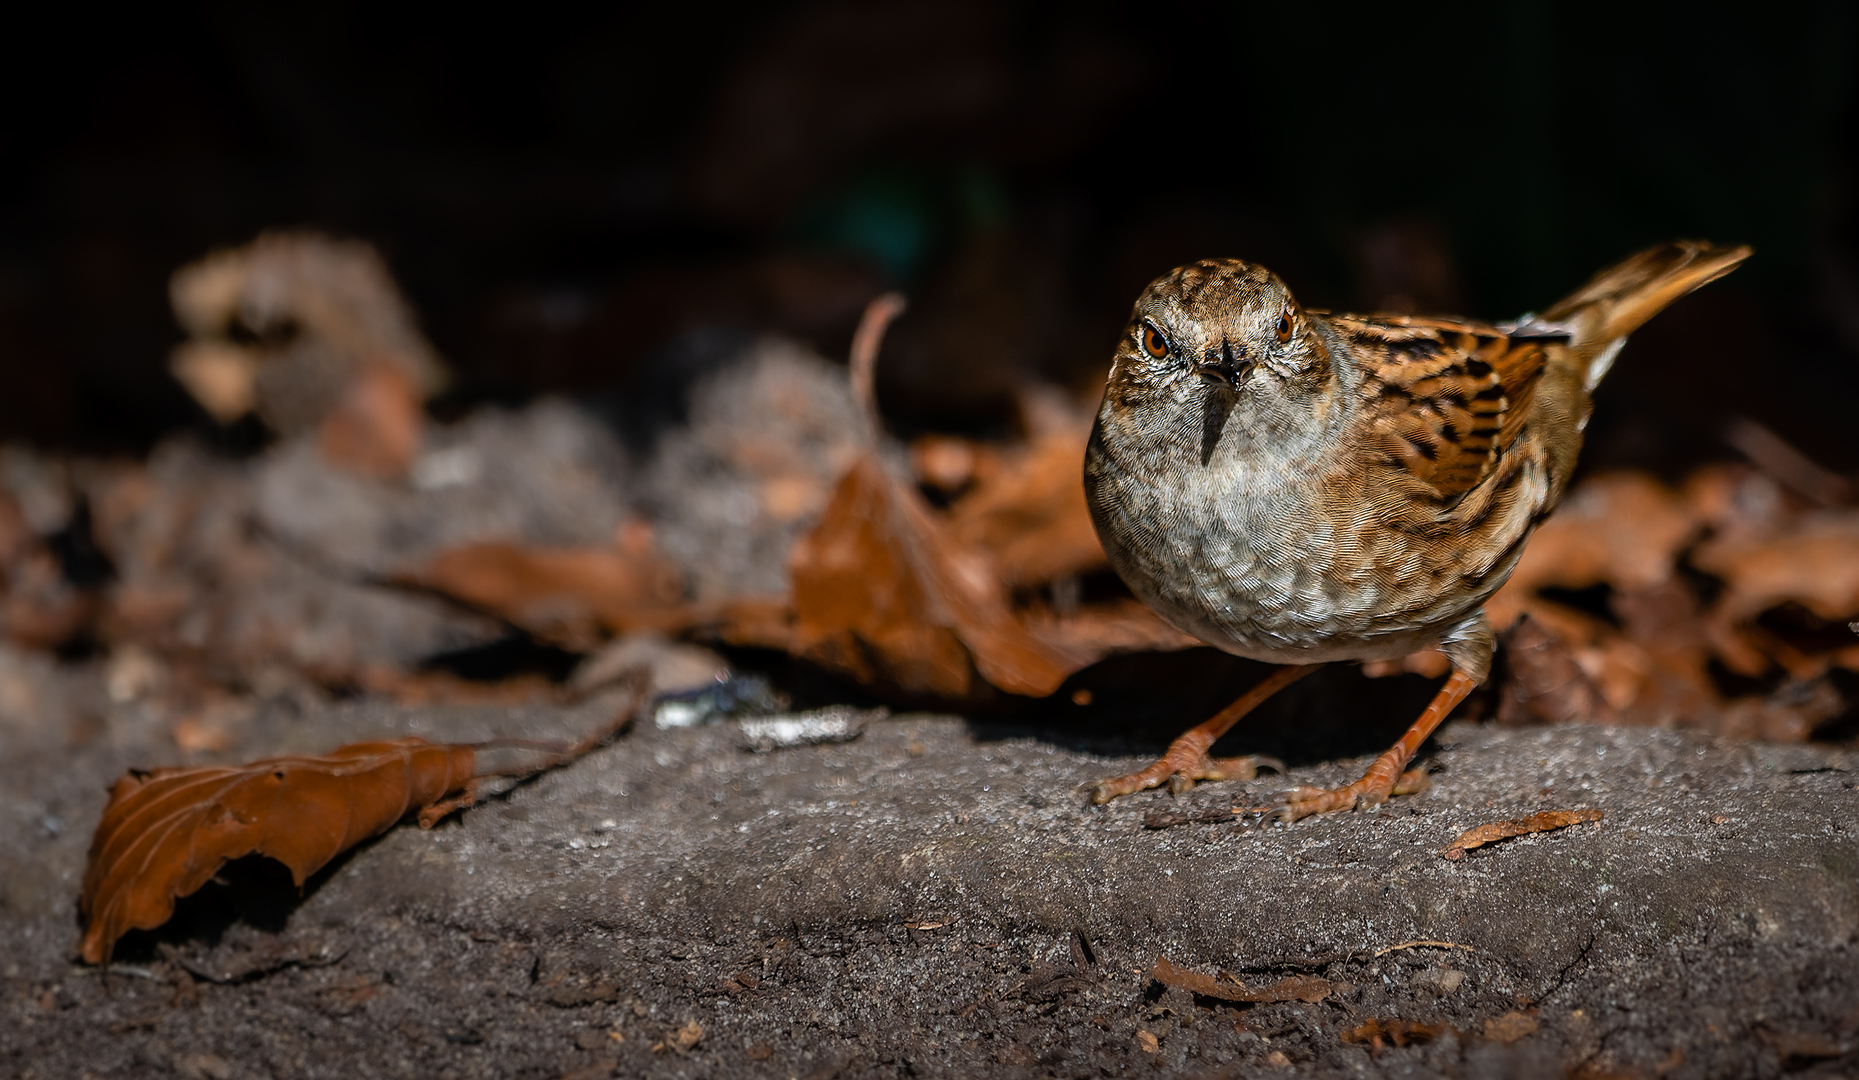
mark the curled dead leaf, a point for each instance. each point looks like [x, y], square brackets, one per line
[883, 594]
[1030, 514]
[1503, 830]
[1306, 988]
[167, 832]
[1815, 564]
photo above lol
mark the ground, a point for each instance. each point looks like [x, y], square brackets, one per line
[936, 898]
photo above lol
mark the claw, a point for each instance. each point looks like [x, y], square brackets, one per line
[1186, 759]
[1302, 802]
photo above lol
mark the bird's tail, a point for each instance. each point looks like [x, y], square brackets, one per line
[1599, 315]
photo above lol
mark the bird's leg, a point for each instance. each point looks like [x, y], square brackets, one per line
[1186, 759]
[1468, 645]
[1385, 777]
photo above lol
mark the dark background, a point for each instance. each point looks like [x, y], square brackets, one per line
[567, 196]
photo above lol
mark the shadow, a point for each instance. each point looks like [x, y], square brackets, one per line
[254, 891]
[1138, 702]
[516, 653]
[806, 685]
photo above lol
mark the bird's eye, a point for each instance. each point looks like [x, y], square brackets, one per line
[1284, 327]
[1153, 342]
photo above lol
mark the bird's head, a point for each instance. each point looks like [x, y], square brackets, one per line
[1219, 342]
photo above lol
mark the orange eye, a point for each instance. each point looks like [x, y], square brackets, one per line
[1153, 342]
[1284, 327]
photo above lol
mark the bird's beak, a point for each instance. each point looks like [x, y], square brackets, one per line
[1227, 366]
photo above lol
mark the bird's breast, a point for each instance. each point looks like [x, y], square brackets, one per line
[1248, 557]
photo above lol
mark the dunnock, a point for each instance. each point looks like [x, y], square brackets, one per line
[1299, 486]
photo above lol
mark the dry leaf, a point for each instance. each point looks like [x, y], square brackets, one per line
[1098, 630]
[1814, 564]
[883, 594]
[1546, 683]
[1511, 1026]
[1398, 1032]
[1306, 988]
[374, 429]
[167, 832]
[1029, 513]
[1625, 529]
[567, 594]
[1504, 830]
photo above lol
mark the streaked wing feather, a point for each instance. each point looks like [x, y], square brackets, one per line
[1445, 398]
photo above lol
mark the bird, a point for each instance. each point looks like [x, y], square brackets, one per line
[1301, 486]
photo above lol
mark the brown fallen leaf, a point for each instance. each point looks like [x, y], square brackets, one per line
[1625, 529]
[1029, 512]
[374, 429]
[569, 595]
[1814, 562]
[1511, 1026]
[1397, 1032]
[1546, 684]
[1306, 988]
[1503, 830]
[884, 594]
[166, 832]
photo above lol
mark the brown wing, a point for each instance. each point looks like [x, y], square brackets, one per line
[1443, 398]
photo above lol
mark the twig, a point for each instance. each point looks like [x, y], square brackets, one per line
[468, 795]
[1423, 944]
[864, 360]
[107, 970]
[563, 753]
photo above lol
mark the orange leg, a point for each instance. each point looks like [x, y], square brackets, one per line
[1385, 777]
[1186, 759]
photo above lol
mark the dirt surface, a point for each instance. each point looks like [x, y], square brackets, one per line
[935, 898]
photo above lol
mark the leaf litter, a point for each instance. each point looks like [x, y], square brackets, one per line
[370, 542]
[166, 832]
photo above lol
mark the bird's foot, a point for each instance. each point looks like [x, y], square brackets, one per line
[1374, 788]
[1185, 762]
